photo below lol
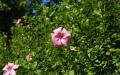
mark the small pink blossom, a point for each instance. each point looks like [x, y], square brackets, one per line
[29, 58]
[60, 37]
[18, 21]
[9, 69]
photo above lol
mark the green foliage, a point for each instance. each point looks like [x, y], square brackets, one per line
[95, 32]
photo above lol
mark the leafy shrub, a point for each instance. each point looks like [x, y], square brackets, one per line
[95, 33]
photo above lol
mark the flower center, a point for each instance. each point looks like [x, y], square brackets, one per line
[9, 68]
[59, 35]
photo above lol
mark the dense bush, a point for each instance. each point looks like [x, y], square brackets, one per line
[95, 34]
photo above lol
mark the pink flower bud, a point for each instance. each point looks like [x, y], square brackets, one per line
[29, 58]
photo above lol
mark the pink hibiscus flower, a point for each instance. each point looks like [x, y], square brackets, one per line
[60, 37]
[9, 69]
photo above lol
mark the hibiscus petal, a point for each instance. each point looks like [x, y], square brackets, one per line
[6, 72]
[5, 68]
[10, 64]
[57, 43]
[64, 41]
[12, 72]
[53, 36]
[66, 33]
[57, 30]
[15, 66]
